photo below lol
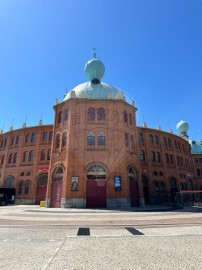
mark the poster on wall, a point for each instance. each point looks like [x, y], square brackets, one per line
[75, 183]
[117, 182]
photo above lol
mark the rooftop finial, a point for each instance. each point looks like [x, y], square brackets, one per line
[94, 52]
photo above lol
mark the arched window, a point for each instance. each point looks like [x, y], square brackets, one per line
[162, 185]
[5, 142]
[125, 116]
[42, 181]
[12, 141]
[173, 184]
[15, 157]
[2, 160]
[161, 173]
[132, 141]
[96, 172]
[20, 188]
[17, 139]
[64, 139]
[130, 119]
[27, 137]
[171, 159]
[156, 186]
[91, 114]
[10, 159]
[48, 154]
[33, 137]
[158, 155]
[198, 172]
[178, 161]
[28, 173]
[151, 139]
[31, 155]
[156, 139]
[91, 138]
[58, 174]
[181, 162]
[167, 159]
[153, 156]
[101, 138]
[142, 155]
[165, 141]
[57, 143]
[22, 174]
[27, 187]
[45, 136]
[66, 115]
[126, 139]
[43, 154]
[9, 182]
[169, 142]
[24, 159]
[101, 114]
[50, 136]
[140, 138]
[155, 173]
[59, 117]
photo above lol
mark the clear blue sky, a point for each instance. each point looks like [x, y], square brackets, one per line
[152, 49]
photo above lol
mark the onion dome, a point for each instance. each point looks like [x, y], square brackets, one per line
[182, 127]
[94, 88]
[94, 70]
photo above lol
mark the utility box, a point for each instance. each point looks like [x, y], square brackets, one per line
[42, 203]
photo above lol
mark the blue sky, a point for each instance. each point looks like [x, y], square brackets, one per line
[151, 49]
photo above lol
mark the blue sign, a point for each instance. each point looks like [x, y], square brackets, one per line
[117, 182]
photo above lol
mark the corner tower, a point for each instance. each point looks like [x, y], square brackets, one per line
[94, 159]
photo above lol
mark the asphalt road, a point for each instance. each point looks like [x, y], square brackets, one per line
[40, 238]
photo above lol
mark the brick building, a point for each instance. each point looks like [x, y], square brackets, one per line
[94, 155]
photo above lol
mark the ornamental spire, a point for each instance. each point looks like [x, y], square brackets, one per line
[94, 53]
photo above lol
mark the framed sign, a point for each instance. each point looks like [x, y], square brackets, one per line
[117, 182]
[75, 183]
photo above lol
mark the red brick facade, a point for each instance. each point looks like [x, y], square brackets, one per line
[41, 162]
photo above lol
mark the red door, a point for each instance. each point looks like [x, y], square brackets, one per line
[56, 194]
[134, 192]
[96, 194]
[40, 194]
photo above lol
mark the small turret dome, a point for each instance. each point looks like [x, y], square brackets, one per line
[94, 70]
[182, 127]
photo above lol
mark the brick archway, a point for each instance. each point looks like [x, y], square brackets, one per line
[96, 187]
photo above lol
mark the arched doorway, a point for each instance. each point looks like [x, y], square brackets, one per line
[96, 187]
[173, 189]
[56, 191]
[190, 184]
[145, 187]
[134, 190]
[41, 188]
[173, 184]
[9, 182]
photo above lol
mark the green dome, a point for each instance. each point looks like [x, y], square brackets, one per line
[94, 70]
[182, 126]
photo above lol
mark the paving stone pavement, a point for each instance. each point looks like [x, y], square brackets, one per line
[41, 239]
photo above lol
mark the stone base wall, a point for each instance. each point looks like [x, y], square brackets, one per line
[118, 202]
[73, 203]
[25, 201]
